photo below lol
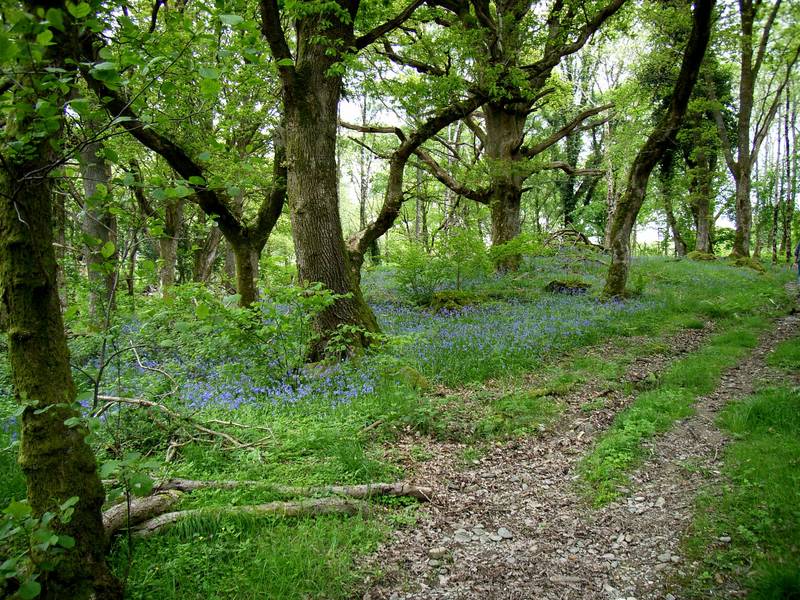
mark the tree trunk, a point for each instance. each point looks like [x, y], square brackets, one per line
[786, 179]
[246, 260]
[791, 176]
[57, 462]
[311, 102]
[100, 227]
[653, 150]
[229, 269]
[569, 197]
[504, 131]
[206, 255]
[168, 245]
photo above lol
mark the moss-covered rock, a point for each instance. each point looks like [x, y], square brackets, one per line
[455, 299]
[574, 287]
[697, 255]
[750, 263]
[412, 378]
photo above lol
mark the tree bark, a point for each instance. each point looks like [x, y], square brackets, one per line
[56, 461]
[311, 106]
[504, 133]
[653, 150]
[168, 245]
[100, 226]
[206, 255]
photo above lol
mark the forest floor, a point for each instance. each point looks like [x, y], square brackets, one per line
[517, 523]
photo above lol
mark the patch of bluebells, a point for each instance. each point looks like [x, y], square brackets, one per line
[475, 342]
[333, 386]
[10, 427]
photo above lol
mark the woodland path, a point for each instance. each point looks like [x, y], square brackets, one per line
[552, 544]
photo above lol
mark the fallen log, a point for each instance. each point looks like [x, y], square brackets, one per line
[139, 510]
[302, 508]
[363, 491]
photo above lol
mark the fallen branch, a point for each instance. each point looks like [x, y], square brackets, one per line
[302, 508]
[360, 492]
[139, 510]
[225, 437]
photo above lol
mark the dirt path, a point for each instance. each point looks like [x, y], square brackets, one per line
[513, 526]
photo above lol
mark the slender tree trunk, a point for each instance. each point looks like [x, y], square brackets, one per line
[653, 150]
[774, 234]
[229, 269]
[504, 131]
[206, 255]
[131, 274]
[788, 205]
[168, 245]
[100, 227]
[61, 245]
[569, 198]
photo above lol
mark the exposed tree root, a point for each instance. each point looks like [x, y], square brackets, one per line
[363, 491]
[147, 515]
[124, 514]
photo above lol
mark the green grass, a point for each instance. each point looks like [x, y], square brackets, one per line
[605, 469]
[786, 355]
[245, 559]
[759, 508]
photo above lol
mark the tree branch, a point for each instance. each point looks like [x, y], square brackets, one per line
[381, 30]
[531, 151]
[480, 196]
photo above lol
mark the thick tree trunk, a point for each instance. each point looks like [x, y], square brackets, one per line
[246, 260]
[100, 226]
[311, 105]
[57, 462]
[653, 150]
[504, 132]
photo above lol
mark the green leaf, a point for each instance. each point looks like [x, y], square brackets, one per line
[209, 87]
[44, 38]
[79, 11]
[208, 72]
[29, 590]
[181, 191]
[141, 484]
[71, 501]
[108, 468]
[105, 66]
[202, 311]
[18, 510]
[108, 249]
[66, 541]
[8, 49]
[197, 180]
[55, 17]
[285, 62]
[9, 566]
[73, 422]
[204, 156]
[231, 20]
